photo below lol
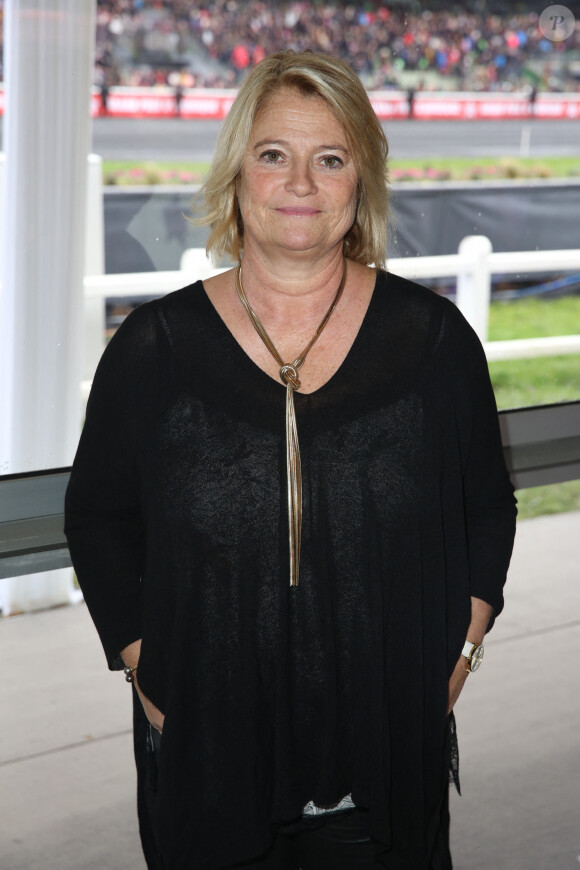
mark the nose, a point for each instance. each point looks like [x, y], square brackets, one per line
[300, 178]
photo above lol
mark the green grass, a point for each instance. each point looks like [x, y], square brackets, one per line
[462, 168]
[556, 498]
[534, 317]
[130, 172]
[559, 165]
[538, 381]
[542, 380]
[433, 169]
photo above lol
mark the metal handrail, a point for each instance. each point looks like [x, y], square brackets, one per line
[541, 445]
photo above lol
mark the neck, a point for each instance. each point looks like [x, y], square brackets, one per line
[295, 286]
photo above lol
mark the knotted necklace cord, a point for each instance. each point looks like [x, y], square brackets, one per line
[289, 377]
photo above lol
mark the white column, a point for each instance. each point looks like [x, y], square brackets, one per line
[49, 50]
[474, 283]
[94, 308]
[2, 176]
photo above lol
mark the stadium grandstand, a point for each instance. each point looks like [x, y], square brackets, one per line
[480, 46]
[486, 45]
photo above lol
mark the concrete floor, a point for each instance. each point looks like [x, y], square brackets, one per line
[67, 779]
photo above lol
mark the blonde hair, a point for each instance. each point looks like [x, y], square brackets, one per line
[335, 82]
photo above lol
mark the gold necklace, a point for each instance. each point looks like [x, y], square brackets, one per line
[289, 377]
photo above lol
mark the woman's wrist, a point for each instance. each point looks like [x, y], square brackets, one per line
[130, 654]
[130, 674]
[481, 613]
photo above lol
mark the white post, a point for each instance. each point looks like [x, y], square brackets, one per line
[2, 175]
[94, 308]
[49, 49]
[474, 283]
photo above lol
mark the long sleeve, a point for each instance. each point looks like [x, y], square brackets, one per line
[489, 501]
[103, 520]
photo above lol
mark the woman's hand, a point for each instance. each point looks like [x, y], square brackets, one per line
[457, 682]
[153, 713]
[130, 656]
[481, 613]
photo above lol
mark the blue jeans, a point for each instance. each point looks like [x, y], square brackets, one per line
[341, 842]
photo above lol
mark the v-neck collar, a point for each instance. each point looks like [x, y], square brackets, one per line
[250, 365]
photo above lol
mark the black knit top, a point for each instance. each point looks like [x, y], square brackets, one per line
[177, 525]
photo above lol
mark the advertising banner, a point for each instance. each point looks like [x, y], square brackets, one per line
[209, 104]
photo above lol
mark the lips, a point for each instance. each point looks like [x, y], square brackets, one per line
[298, 211]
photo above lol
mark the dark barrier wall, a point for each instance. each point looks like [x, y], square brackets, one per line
[147, 230]
[515, 216]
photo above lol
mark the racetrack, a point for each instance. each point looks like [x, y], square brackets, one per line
[178, 139]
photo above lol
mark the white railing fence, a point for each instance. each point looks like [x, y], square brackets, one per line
[473, 267]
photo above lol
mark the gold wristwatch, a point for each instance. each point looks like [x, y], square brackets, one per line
[473, 652]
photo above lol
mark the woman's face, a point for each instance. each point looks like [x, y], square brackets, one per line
[298, 183]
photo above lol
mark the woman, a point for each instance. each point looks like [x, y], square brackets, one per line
[289, 512]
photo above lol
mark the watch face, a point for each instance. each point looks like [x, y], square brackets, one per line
[476, 658]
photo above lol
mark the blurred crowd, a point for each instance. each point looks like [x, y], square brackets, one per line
[213, 44]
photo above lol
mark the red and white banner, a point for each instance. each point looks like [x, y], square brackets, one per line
[211, 104]
[161, 103]
[490, 106]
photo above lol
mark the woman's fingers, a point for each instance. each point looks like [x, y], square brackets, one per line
[456, 683]
[153, 713]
